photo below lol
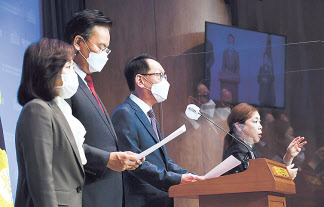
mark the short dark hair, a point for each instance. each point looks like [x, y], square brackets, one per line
[205, 82]
[231, 35]
[82, 24]
[42, 63]
[136, 65]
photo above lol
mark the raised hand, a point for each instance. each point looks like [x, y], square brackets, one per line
[293, 149]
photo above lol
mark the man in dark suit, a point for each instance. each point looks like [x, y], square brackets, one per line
[89, 32]
[137, 130]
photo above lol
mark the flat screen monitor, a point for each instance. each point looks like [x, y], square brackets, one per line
[245, 66]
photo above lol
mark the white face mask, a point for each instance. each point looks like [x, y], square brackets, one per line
[160, 90]
[208, 108]
[69, 87]
[96, 61]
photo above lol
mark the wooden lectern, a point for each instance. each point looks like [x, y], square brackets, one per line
[230, 81]
[264, 183]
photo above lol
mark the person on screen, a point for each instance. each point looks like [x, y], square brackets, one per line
[49, 138]
[231, 60]
[244, 123]
[89, 33]
[209, 59]
[137, 129]
[267, 93]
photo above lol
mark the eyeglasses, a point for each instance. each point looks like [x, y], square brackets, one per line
[161, 75]
[203, 94]
[105, 49]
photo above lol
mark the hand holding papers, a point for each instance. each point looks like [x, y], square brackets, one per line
[163, 142]
[228, 164]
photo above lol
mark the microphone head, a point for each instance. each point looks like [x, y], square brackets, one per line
[192, 111]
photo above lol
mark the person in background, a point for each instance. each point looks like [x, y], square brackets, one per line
[49, 138]
[281, 134]
[89, 33]
[263, 145]
[316, 161]
[244, 123]
[138, 130]
[208, 106]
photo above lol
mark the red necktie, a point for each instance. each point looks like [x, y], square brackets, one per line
[153, 122]
[89, 81]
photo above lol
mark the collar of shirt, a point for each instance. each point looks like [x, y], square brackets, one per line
[80, 72]
[145, 108]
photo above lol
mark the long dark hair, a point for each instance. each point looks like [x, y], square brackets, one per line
[239, 114]
[42, 63]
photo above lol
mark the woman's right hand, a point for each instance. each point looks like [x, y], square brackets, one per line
[292, 171]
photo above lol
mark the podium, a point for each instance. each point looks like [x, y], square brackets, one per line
[230, 81]
[264, 183]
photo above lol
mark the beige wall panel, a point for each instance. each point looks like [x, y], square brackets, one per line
[180, 27]
[133, 32]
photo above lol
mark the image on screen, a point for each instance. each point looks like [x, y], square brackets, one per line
[245, 66]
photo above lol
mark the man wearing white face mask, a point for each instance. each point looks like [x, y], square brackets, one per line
[89, 32]
[137, 130]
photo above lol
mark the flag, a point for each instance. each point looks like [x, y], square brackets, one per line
[5, 186]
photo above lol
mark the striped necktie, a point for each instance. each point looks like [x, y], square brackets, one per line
[151, 114]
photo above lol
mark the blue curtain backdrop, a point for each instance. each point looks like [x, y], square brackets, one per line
[23, 22]
[20, 26]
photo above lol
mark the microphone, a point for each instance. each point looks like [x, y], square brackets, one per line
[193, 112]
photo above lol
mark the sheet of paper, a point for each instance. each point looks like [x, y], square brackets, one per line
[228, 164]
[163, 142]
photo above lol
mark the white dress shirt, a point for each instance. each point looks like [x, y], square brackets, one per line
[145, 108]
[76, 126]
[81, 73]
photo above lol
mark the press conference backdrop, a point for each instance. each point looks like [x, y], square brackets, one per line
[19, 27]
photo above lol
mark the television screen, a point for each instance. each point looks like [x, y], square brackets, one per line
[245, 66]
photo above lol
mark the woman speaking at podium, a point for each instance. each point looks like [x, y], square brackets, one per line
[245, 124]
[48, 138]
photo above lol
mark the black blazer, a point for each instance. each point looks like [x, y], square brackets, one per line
[240, 152]
[50, 170]
[103, 187]
[148, 185]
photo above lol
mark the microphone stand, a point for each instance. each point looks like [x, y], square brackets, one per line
[245, 161]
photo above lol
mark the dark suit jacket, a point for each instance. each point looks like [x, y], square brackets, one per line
[50, 169]
[231, 63]
[103, 187]
[240, 152]
[147, 185]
